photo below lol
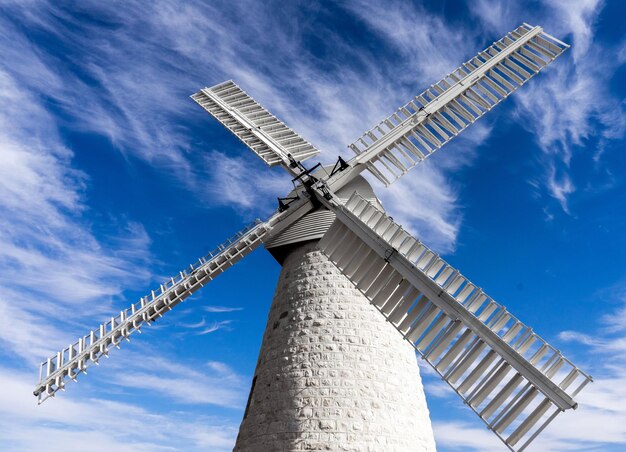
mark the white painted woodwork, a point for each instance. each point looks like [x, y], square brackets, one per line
[77, 357]
[257, 128]
[434, 117]
[314, 224]
[513, 379]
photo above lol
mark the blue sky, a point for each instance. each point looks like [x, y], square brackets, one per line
[111, 179]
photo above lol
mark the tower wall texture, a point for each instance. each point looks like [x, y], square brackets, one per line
[332, 374]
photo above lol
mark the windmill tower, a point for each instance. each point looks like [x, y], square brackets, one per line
[332, 372]
[357, 293]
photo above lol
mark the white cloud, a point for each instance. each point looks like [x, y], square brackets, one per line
[182, 389]
[569, 106]
[600, 420]
[203, 327]
[616, 321]
[220, 309]
[215, 326]
[425, 202]
[560, 188]
[97, 424]
[240, 184]
[574, 336]
[579, 17]
[220, 368]
[47, 251]
[496, 15]
[180, 381]
[199, 324]
[58, 274]
[621, 55]
[429, 46]
[137, 88]
[330, 101]
[462, 436]
[423, 207]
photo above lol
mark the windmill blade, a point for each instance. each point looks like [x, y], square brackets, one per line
[509, 376]
[433, 118]
[261, 131]
[77, 357]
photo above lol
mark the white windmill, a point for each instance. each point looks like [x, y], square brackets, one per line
[358, 294]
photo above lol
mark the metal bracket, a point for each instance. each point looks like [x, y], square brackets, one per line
[389, 253]
[293, 163]
[339, 166]
[282, 205]
[325, 191]
[305, 176]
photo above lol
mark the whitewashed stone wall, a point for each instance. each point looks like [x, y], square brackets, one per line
[332, 373]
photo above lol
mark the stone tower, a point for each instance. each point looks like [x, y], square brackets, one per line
[332, 374]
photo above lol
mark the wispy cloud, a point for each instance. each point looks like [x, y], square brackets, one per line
[571, 103]
[187, 383]
[425, 201]
[600, 420]
[199, 324]
[215, 326]
[221, 368]
[463, 436]
[333, 99]
[336, 97]
[244, 185]
[98, 424]
[58, 274]
[41, 206]
[203, 327]
[220, 309]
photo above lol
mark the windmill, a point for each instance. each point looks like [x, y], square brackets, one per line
[358, 294]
